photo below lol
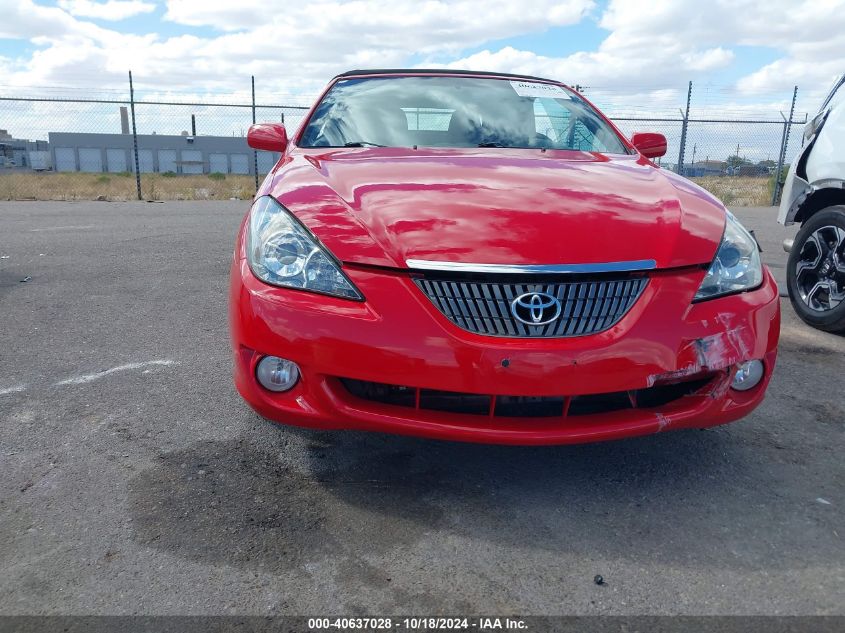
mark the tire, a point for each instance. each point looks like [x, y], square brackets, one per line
[815, 278]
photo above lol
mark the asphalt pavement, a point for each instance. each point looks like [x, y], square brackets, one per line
[133, 480]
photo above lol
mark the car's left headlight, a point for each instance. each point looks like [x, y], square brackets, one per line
[737, 265]
[284, 253]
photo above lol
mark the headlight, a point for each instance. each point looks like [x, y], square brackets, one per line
[737, 264]
[283, 253]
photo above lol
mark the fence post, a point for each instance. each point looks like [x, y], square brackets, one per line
[784, 141]
[684, 125]
[254, 152]
[134, 136]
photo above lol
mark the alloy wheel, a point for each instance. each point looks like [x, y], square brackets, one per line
[820, 270]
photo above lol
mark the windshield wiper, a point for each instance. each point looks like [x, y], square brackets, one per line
[491, 144]
[362, 144]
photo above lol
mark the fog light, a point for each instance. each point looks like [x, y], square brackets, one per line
[747, 375]
[277, 374]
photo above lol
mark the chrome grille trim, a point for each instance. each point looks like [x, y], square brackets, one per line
[483, 307]
[533, 269]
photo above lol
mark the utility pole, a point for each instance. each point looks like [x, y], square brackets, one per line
[134, 136]
[684, 131]
[254, 152]
[784, 142]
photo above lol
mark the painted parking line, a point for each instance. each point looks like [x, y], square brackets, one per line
[14, 389]
[64, 228]
[86, 378]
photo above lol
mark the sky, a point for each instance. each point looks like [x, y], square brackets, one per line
[629, 47]
[632, 57]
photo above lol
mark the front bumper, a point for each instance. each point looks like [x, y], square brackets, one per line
[398, 337]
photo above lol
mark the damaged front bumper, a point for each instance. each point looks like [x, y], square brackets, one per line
[395, 364]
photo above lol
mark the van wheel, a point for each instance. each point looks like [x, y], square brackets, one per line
[815, 272]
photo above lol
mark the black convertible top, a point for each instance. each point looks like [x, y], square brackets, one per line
[437, 71]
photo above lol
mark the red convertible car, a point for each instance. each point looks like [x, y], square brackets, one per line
[485, 257]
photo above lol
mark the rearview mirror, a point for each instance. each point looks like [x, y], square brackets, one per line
[649, 144]
[270, 137]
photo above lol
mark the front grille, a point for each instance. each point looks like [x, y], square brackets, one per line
[523, 406]
[484, 307]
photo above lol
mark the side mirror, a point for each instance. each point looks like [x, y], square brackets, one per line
[649, 144]
[270, 137]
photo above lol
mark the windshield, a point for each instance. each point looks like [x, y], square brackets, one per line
[457, 112]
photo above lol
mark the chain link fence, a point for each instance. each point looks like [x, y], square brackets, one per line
[154, 146]
[736, 145]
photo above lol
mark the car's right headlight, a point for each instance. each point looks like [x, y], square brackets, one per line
[737, 265]
[284, 253]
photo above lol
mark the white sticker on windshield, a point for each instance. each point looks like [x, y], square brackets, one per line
[531, 89]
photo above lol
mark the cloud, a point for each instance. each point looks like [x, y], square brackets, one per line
[602, 68]
[26, 20]
[662, 44]
[293, 50]
[111, 10]
[387, 22]
[809, 34]
[650, 45]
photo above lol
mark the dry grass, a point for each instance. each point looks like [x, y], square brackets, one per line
[738, 191]
[78, 186]
[733, 191]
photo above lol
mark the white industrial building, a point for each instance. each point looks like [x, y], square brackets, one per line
[20, 153]
[157, 153]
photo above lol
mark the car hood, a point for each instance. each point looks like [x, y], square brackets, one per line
[384, 206]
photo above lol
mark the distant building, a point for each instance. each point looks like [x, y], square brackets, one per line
[702, 168]
[157, 153]
[752, 170]
[21, 153]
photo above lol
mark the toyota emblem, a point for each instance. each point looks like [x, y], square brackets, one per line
[535, 308]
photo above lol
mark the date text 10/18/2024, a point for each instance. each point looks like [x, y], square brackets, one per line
[417, 623]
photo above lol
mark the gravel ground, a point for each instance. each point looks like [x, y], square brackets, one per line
[134, 480]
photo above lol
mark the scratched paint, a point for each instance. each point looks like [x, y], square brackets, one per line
[15, 389]
[720, 387]
[671, 376]
[723, 349]
[738, 337]
[711, 353]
